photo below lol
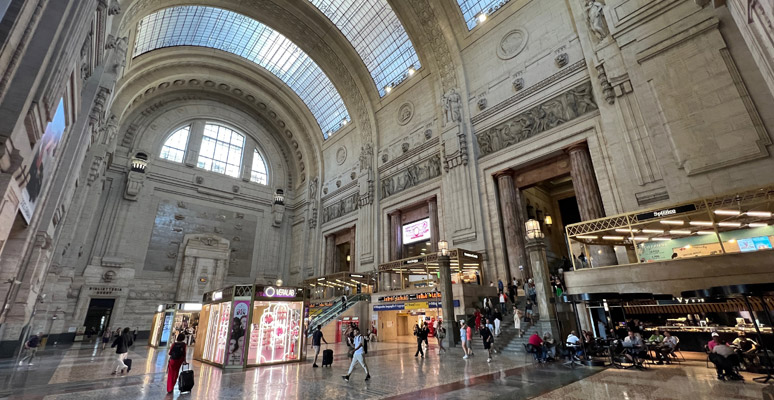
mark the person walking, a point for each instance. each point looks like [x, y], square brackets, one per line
[517, 317]
[488, 339]
[465, 336]
[420, 331]
[500, 286]
[31, 346]
[122, 344]
[497, 324]
[477, 315]
[357, 356]
[106, 335]
[440, 334]
[317, 336]
[343, 303]
[503, 299]
[177, 356]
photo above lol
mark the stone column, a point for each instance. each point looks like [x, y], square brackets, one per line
[435, 234]
[589, 201]
[541, 277]
[330, 254]
[396, 239]
[352, 251]
[512, 218]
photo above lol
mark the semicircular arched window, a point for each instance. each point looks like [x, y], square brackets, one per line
[221, 150]
[175, 145]
[258, 173]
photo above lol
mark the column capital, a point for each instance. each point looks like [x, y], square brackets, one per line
[500, 174]
[582, 146]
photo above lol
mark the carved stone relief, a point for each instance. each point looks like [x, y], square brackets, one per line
[562, 60]
[341, 155]
[548, 115]
[340, 208]
[452, 110]
[512, 44]
[595, 17]
[405, 113]
[411, 176]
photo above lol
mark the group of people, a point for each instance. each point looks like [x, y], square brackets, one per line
[727, 357]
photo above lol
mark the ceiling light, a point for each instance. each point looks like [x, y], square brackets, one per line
[627, 230]
[732, 241]
[706, 232]
[731, 224]
[764, 214]
[344, 122]
[587, 237]
[727, 212]
[388, 89]
[673, 222]
[652, 231]
[757, 224]
[612, 237]
[701, 223]
[679, 232]
[411, 71]
[481, 17]
[640, 238]
[661, 239]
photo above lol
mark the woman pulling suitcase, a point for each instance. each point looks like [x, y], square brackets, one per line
[177, 355]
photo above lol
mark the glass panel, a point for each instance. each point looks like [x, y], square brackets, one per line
[175, 146]
[258, 173]
[471, 8]
[275, 332]
[221, 150]
[245, 37]
[376, 34]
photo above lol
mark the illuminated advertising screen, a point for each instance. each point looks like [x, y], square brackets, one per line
[754, 244]
[416, 231]
[275, 332]
[165, 331]
[236, 345]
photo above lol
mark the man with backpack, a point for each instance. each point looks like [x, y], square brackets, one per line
[32, 348]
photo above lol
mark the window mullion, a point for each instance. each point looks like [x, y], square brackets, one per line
[247, 158]
[194, 143]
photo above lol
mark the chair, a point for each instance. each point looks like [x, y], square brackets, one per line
[674, 353]
[707, 350]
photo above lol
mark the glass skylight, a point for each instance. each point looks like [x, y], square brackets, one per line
[471, 9]
[248, 38]
[377, 35]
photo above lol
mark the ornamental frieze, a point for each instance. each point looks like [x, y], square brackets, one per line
[411, 176]
[538, 119]
[340, 208]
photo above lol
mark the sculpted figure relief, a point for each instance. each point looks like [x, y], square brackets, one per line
[596, 18]
[548, 115]
[451, 106]
[340, 208]
[412, 176]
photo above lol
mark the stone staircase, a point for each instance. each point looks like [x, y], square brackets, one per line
[509, 340]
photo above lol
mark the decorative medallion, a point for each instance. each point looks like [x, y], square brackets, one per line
[405, 113]
[512, 44]
[341, 155]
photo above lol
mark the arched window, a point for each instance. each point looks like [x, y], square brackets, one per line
[174, 147]
[221, 150]
[258, 173]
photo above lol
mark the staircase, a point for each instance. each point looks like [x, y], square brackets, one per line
[509, 340]
[331, 313]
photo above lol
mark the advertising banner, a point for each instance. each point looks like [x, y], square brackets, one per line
[236, 347]
[416, 231]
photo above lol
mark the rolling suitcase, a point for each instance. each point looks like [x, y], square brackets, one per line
[327, 357]
[128, 363]
[185, 382]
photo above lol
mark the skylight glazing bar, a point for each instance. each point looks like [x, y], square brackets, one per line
[472, 9]
[377, 35]
[247, 38]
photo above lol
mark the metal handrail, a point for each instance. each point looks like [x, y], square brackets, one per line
[335, 310]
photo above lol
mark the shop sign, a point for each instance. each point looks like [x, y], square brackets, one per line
[217, 295]
[409, 297]
[416, 231]
[417, 305]
[271, 291]
[667, 212]
[471, 255]
[388, 307]
[315, 305]
[412, 261]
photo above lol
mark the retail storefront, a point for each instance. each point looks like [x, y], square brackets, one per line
[395, 315]
[170, 319]
[252, 325]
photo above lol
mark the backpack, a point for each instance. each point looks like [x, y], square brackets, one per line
[441, 332]
[176, 352]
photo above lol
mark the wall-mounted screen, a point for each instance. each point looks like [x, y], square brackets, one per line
[416, 231]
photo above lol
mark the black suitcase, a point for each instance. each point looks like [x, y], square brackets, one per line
[185, 382]
[128, 363]
[327, 357]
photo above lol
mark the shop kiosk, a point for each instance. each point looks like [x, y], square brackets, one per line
[252, 325]
[169, 318]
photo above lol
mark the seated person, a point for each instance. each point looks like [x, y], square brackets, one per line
[724, 358]
[550, 345]
[656, 337]
[711, 344]
[537, 344]
[746, 348]
[634, 348]
[666, 347]
[574, 342]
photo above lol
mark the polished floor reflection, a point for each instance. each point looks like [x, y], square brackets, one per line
[83, 372]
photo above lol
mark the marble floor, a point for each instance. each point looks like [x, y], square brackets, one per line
[83, 372]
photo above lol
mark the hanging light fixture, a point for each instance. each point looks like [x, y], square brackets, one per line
[549, 221]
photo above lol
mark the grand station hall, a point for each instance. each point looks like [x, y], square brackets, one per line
[387, 199]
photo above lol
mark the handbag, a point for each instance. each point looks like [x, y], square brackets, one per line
[351, 353]
[441, 333]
